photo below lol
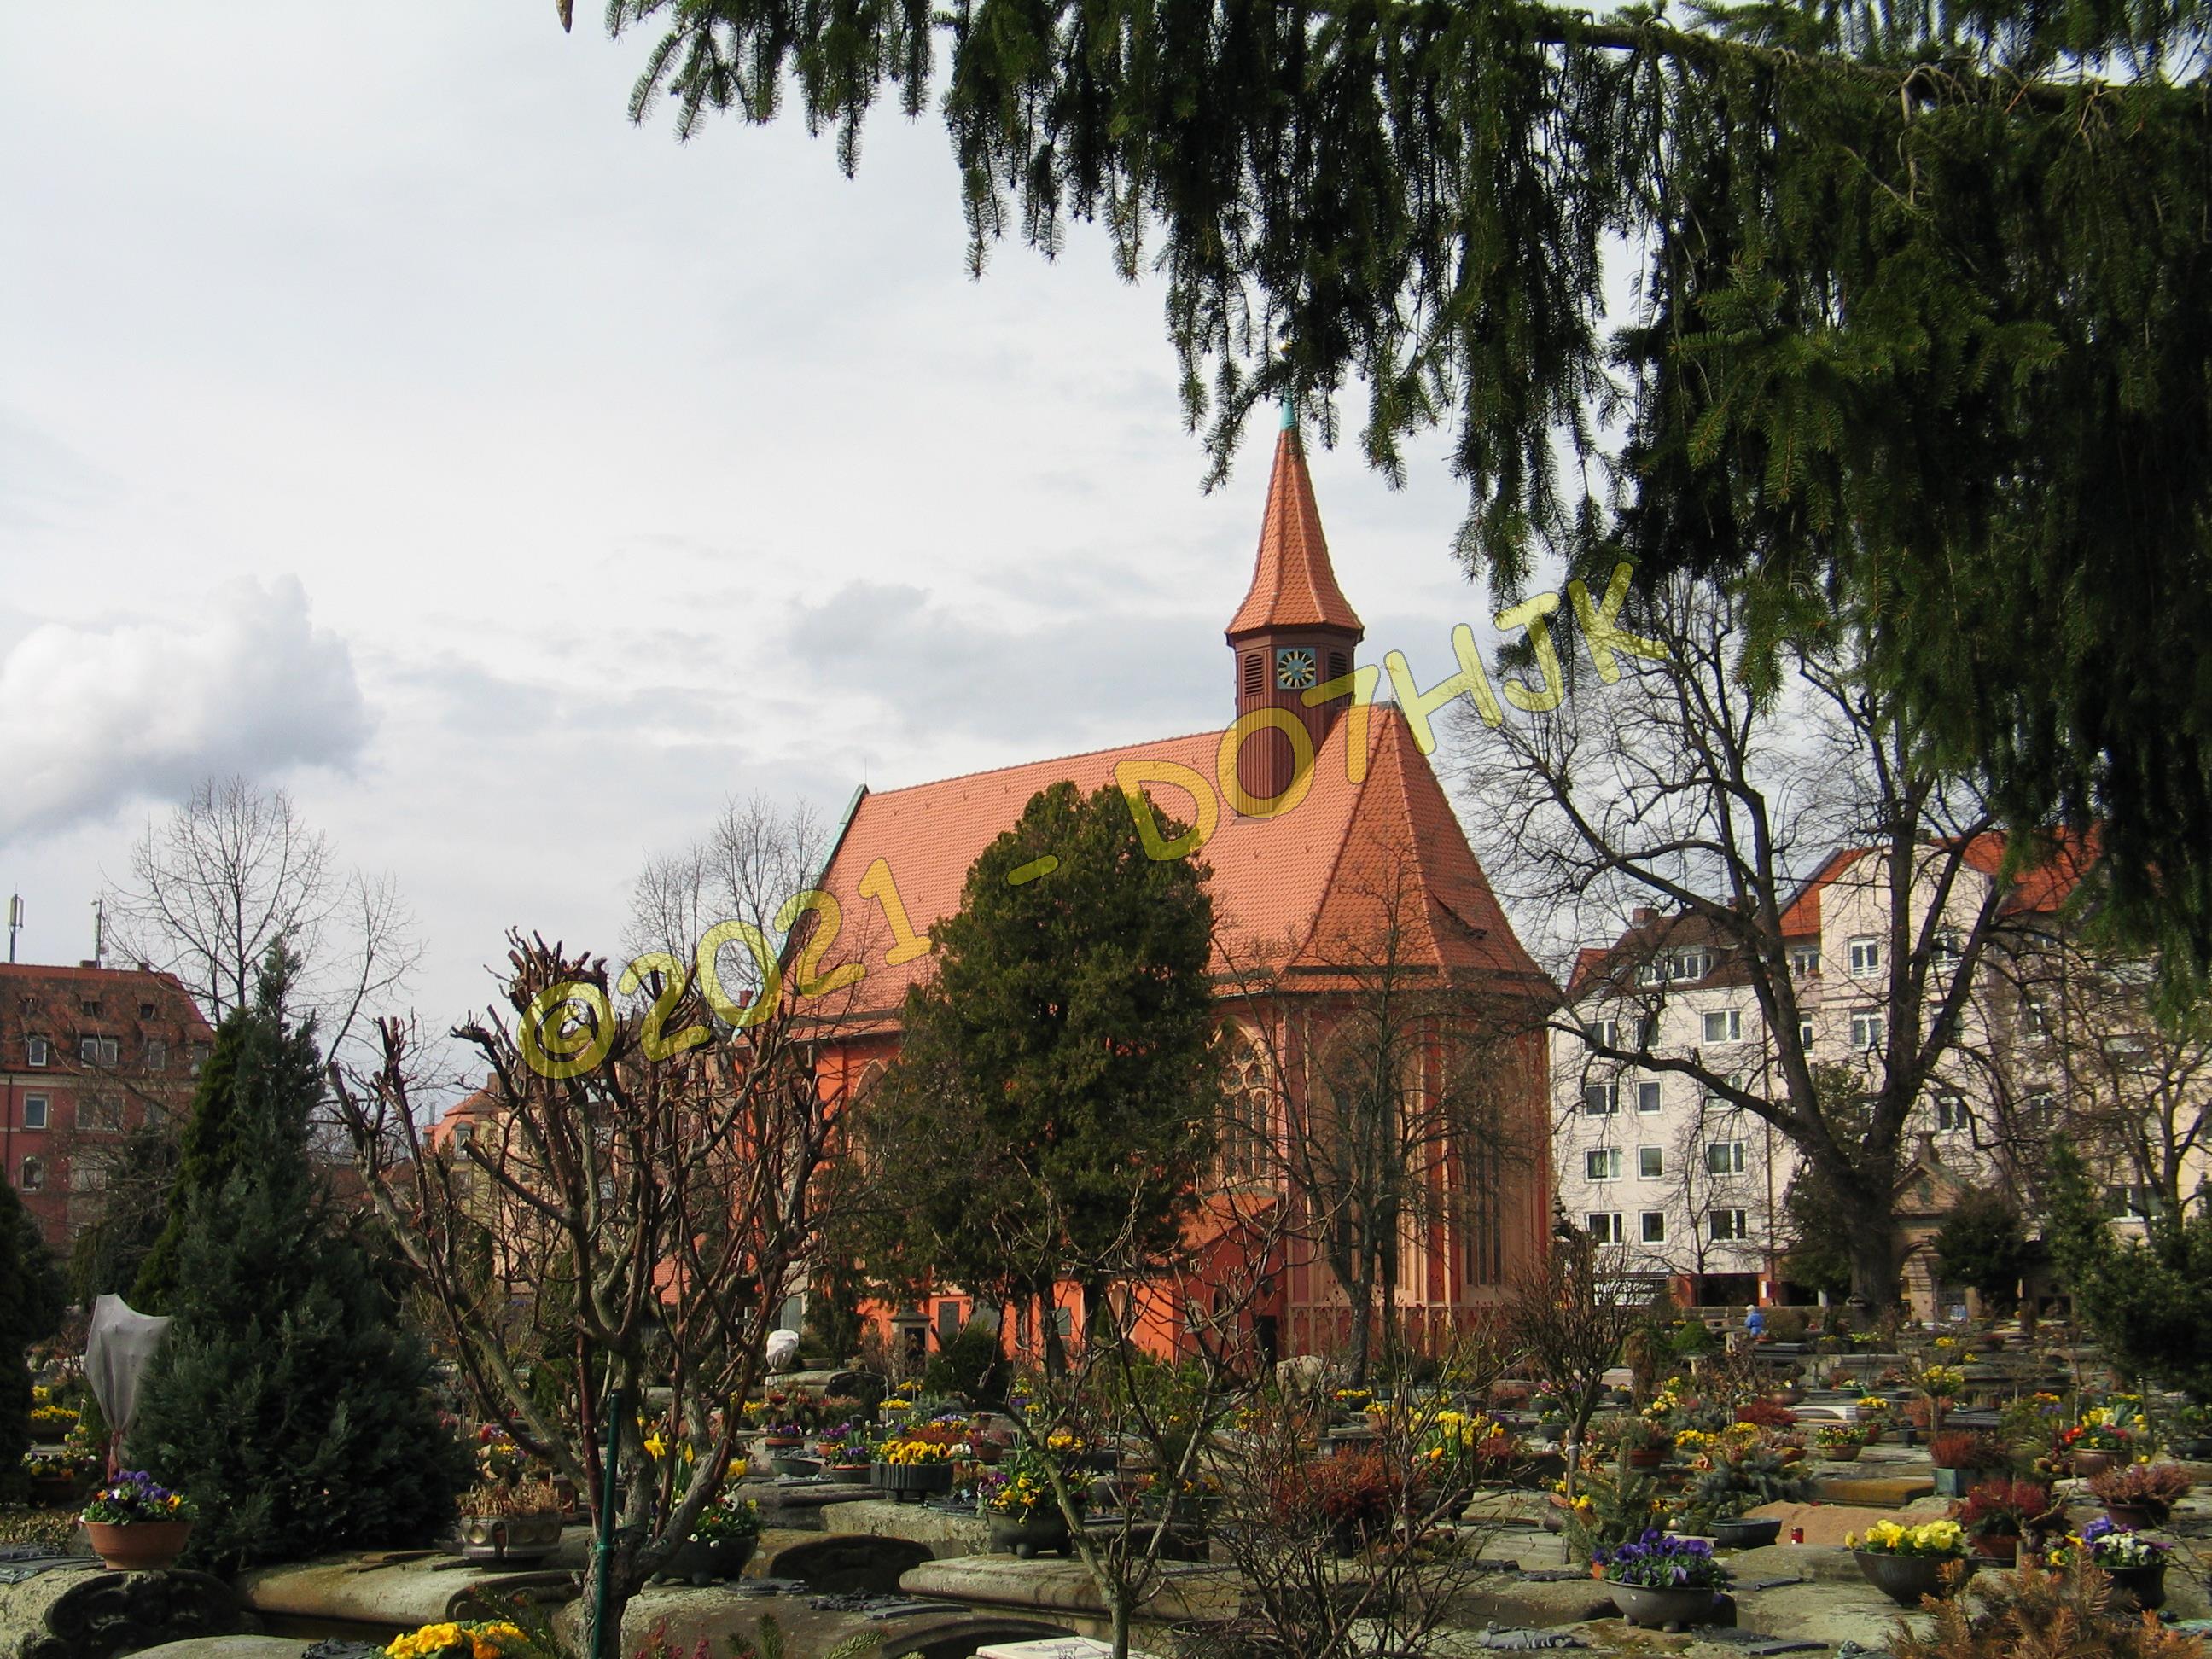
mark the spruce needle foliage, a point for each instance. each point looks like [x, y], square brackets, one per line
[1921, 320]
[286, 1399]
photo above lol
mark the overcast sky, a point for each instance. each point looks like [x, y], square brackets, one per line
[386, 418]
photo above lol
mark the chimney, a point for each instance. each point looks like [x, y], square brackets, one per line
[145, 967]
[1643, 916]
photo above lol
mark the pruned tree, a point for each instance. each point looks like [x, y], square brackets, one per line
[1917, 326]
[1696, 784]
[1569, 1321]
[236, 869]
[648, 1185]
[1401, 1101]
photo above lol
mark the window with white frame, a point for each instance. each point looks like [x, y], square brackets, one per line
[1601, 1099]
[101, 1113]
[1605, 1226]
[2038, 1111]
[1729, 1225]
[87, 1176]
[1694, 963]
[1654, 1226]
[1864, 955]
[1602, 1163]
[1647, 1096]
[34, 1111]
[1951, 1113]
[1651, 1162]
[1869, 1029]
[1647, 1031]
[33, 1175]
[2035, 1022]
[1804, 960]
[1723, 1025]
[1805, 1033]
[1602, 1033]
[157, 1055]
[1724, 1158]
[97, 1050]
[36, 1050]
[1944, 947]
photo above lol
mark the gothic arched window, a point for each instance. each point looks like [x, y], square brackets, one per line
[1248, 1127]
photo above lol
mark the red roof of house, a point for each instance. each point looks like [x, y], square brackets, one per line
[1303, 890]
[1293, 584]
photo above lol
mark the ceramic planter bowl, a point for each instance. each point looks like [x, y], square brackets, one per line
[2144, 1586]
[1905, 1578]
[138, 1546]
[910, 1483]
[1743, 1533]
[701, 1561]
[509, 1538]
[1663, 1610]
[2094, 1461]
[1032, 1534]
[1842, 1454]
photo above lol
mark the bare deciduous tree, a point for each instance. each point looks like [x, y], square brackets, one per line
[646, 1187]
[1700, 785]
[234, 869]
[1403, 1101]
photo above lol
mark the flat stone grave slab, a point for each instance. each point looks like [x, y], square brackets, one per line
[837, 1562]
[1054, 1647]
[226, 1647]
[1886, 1491]
[99, 1613]
[909, 1628]
[1187, 1593]
[945, 1532]
[397, 1591]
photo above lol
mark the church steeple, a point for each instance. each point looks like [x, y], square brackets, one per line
[1295, 629]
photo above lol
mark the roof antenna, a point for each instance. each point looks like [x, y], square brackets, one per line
[15, 923]
[99, 932]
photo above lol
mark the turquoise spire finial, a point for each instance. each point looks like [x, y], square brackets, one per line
[1290, 411]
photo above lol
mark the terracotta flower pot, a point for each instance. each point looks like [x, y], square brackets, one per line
[2090, 1461]
[2003, 1548]
[2136, 1517]
[138, 1546]
[1646, 1457]
[1842, 1454]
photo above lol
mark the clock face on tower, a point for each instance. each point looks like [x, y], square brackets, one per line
[1294, 668]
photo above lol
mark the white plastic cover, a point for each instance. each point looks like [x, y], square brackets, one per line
[122, 1340]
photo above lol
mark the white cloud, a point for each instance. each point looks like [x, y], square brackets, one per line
[91, 718]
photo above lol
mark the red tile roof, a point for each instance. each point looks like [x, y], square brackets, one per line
[1303, 888]
[1293, 585]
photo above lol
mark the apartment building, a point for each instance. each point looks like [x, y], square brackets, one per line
[87, 1055]
[1690, 1186]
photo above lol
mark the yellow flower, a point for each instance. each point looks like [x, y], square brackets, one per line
[655, 1447]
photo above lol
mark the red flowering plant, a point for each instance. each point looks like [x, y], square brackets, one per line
[1965, 1448]
[2009, 1508]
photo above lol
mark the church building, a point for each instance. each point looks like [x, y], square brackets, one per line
[1338, 866]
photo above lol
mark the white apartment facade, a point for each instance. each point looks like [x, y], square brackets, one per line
[1689, 1187]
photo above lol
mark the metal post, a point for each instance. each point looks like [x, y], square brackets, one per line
[604, 1539]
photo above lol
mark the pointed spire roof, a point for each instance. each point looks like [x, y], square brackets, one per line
[1293, 585]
